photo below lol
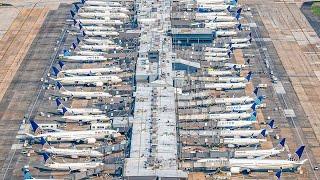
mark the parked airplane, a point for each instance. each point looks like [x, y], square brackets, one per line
[73, 167]
[225, 86]
[219, 73]
[104, 47]
[213, 8]
[235, 66]
[100, 3]
[86, 80]
[260, 153]
[235, 124]
[82, 94]
[234, 116]
[72, 153]
[247, 165]
[105, 22]
[220, 25]
[240, 142]
[88, 137]
[83, 58]
[86, 72]
[225, 33]
[84, 118]
[103, 15]
[28, 176]
[235, 79]
[241, 40]
[76, 111]
[104, 9]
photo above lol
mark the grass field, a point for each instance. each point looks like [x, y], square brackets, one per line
[315, 8]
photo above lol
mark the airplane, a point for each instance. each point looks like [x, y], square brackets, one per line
[104, 9]
[80, 59]
[106, 22]
[88, 137]
[100, 3]
[72, 153]
[241, 108]
[86, 80]
[234, 100]
[97, 41]
[102, 15]
[240, 165]
[225, 86]
[235, 79]
[82, 94]
[241, 40]
[28, 176]
[235, 66]
[96, 28]
[86, 72]
[225, 33]
[219, 18]
[219, 73]
[216, 59]
[91, 53]
[83, 118]
[212, 8]
[235, 124]
[217, 54]
[96, 33]
[240, 142]
[260, 153]
[76, 111]
[238, 45]
[104, 47]
[71, 167]
[233, 116]
[214, 49]
[228, 133]
[218, 2]
[220, 25]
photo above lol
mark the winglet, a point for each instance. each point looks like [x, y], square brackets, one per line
[74, 22]
[249, 76]
[80, 26]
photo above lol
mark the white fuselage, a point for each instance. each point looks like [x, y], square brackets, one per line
[232, 79]
[222, 86]
[101, 33]
[97, 41]
[211, 49]
[84, 58]
[230, 116]
[104, 22]
[91, 80]
[83, 111]
[85, 118]
[242, 107]
[74, 153]
[220, 73]
[221, 33]
[235, 124]
[242, 141]
[257, 153]
[72, 166]
[93, 71]
[216, 59]
[234, 100]
[215, 54]
[232, 65]
[220, 25]
[100, 47]
[86, 95]
[105, 9]
[239, 40]
[104, 15]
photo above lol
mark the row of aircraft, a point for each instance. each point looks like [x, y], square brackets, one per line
[237, 115]
[97, 25]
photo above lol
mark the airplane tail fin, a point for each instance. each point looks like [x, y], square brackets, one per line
[229, 8]
[259, 99]
[47, 158]
[66, 53]
[250, 40]
[253, 107]
[83, 1]
[61, 64]
[26, 174]
[72, 13]
[55, 71]
[78, 40]
[80, 26]
[253, 116]
[83, 34]
[255, 91]
[239, 27]
[271, 124]
[64, 110]
[229, 54]
[297, 155]
[238, 16]
[58, 102]
[281, 144]
[60, 87]
[35, 128]
[249, 76]
[74, 22]
[264, 133]
[77, 7]
[239, 11]
[278, 174]
[74, 45]
[44, 143]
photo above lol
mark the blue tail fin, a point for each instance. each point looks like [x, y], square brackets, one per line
[74, 22]
[77, 7]
[66, 52]
[238, 16]
[78, 40]
[35, 127]
[84, 34]
[249, 76]
[80, 26]
[239, 27]
[46, 157]
[64, 110]
[74, 45]
[299, 151]
[281, 143]
[239, 11]
[83, 1]
[264, 132]
[55, 70]
[229, 54]
[278, 174]
[255, 91]
[253, 107]
[26, 174]
[72, 13]
[61, 64]
[250, 35]
[253, 116]
[43, 142]
[271, 124]
[229, 8]
[58, 102]
[59, 85]
[235, 67]
[250, 40]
